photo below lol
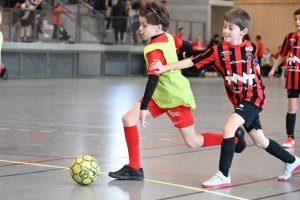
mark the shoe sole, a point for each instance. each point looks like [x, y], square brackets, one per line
[288, 147]
[283, 179]
[217, 186]
[127, 178]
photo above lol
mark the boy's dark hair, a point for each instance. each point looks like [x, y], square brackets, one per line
[238, 17]
[1, 9]
[180, 29]
[297, 12]
[164, 2]
[258, 37]
[155, 14]
[216, 36]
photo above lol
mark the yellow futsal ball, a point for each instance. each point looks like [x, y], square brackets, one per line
[84, 169]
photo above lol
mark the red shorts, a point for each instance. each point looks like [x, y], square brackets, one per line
[181, 116]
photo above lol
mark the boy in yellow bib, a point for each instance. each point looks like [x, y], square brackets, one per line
[168, 93]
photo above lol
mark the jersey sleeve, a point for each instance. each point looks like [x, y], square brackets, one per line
[206, 60]
[158, 55]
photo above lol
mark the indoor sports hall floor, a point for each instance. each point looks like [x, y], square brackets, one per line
[46, 123]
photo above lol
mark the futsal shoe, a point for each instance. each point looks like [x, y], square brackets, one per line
[289, 170]
[289, 143]
[217, 181]
[127, 173]
[241, 145]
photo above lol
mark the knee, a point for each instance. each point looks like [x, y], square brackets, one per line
[191, 144]
[129, 120]
[227, 131]
[262, 143]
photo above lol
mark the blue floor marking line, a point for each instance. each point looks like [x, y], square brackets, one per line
[29, 172]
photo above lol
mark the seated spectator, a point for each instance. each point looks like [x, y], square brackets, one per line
[267, 65]
[283, 64]
[214, 41]
[266, 58]
[37, 26]
[198, 44]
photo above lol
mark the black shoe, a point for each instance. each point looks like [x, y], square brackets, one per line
[241, 145]
[127, 173]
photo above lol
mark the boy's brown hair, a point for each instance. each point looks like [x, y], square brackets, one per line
[297, 12]
[155, 14]
[238, 17]
[1, 10]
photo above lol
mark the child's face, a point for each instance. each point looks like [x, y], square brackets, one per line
[148, 30]
[233, 34]
[297, 22]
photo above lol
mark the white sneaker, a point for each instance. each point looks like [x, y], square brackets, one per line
[46, 35]
[217, 181]
[289, 170]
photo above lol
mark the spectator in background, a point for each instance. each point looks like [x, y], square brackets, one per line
[135, 27]
[37, 26]
[26, 17]
[267, 62]
[57, 20]
[119, 21]
[198, 44]
[266, 57]
[214, 41]
[278, 70]
[164, 4]
[180, 33]
[16, 21]
[137, 4]
[100, 7]
[260, 49]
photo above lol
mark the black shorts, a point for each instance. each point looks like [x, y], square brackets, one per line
[293, 93]
[249, 113]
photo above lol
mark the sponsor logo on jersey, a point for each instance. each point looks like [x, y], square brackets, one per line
[225, 54]
[249, 56]
[246, 78]
[249, 48]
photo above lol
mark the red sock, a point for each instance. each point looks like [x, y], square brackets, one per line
[133, 146]
[212, 139]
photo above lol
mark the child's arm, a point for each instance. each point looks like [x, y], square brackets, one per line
[157, 65]
[277, 63]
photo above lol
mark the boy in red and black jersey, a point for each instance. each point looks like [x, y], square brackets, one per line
[237, 66]
[236, 61]
[291, 48]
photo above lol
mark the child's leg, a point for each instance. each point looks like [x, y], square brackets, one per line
[130, 120]
[291, 116]
[292, 163]
[132, 171]
[270, 146]
[222, 178]
[185, 123]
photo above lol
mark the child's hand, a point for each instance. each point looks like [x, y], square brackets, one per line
[142, 118]
[271, 74]
[157, 66]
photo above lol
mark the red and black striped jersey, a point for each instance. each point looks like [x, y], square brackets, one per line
[291, 47]
[238, 65]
